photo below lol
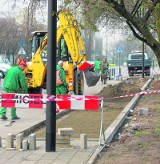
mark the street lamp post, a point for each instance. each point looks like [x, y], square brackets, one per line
[142, 14]
[143, 60]
[51, 76]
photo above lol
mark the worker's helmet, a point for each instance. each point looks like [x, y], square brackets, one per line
[22, 62]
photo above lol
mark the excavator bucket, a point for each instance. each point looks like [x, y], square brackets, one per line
[91, 77]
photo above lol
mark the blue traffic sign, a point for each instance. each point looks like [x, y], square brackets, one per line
[119, 50]
[22, 51]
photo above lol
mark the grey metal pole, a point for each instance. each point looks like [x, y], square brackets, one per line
[51, 77]
[119, 65]
[143, 48]
[153, 63]
[143, 60]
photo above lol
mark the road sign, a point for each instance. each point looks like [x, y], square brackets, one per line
[119, 50]
[22, 51]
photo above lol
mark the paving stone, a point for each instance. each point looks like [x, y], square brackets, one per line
[10, 140]
[25, 145]
[32, 142]
[65, 131]
[19, 138]
[83, 140]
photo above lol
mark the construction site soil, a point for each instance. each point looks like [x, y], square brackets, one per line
[88, 122]
[139, 141]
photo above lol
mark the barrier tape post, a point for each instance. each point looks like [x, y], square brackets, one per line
[101, 134]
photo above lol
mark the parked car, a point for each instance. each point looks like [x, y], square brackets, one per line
[3, 68]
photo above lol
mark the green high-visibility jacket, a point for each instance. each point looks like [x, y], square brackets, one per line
[15, 80]
[61, 88]
[97, 65]
[62, 75]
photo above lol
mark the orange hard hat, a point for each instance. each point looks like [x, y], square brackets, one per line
[22, 62]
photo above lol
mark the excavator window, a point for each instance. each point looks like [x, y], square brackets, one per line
[37, 39]
[63, 53]
[44, 55]
[64, 50]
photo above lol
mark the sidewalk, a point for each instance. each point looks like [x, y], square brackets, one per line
[30, 118]
[72, 155]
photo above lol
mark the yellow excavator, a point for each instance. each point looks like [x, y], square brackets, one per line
[70, 49]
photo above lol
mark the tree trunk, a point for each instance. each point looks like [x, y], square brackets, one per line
[156, 50]
[157, 17]
[88, 44]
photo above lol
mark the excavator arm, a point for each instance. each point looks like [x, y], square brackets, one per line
[68, 28]
[76, 57]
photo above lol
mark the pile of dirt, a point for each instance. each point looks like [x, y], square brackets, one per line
[128, 86]
[139, 140]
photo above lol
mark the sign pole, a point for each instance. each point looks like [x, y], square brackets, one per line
[119, 52]
[51, 76]
[119, 66]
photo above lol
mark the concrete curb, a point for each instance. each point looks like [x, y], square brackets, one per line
[41, 124]
[117, 123]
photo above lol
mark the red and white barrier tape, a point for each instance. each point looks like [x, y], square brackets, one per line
[66, 102]
[135, 94]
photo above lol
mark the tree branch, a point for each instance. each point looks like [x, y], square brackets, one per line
[150, 10]
[119, 7]
[135, 33]
[122, 3]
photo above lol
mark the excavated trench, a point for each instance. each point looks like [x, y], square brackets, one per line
[88, 122]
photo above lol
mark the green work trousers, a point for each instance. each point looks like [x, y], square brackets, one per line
[3, 109]
[61, 90]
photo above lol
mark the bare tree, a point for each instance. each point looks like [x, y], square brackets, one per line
[13, 33]
[9, 36]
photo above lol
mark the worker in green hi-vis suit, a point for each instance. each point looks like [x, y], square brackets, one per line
[61, 85]
[14, 82]
[97, 66]
[63, 50]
